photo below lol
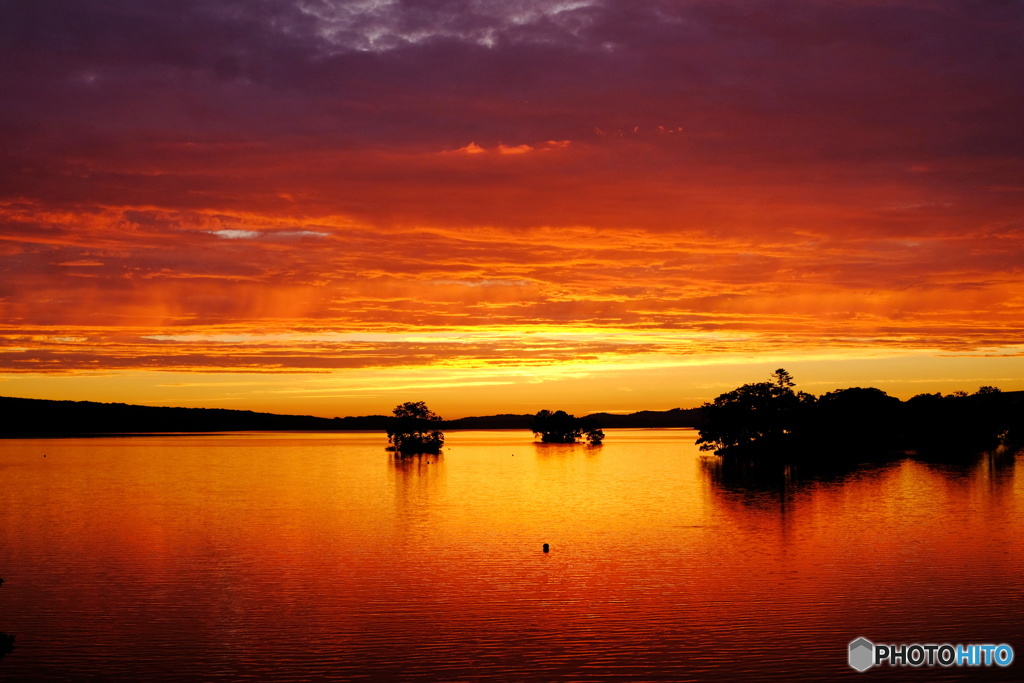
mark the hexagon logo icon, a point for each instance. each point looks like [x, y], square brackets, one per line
[862, 654]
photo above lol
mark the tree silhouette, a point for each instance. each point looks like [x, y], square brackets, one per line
[414, 429]
[940, 426]
[855, 420]
[782, 379]
[593, 432]
[763, 415]
[556, 427]
[561, 427]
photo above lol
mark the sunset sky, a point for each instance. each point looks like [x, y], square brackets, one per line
[329, 207]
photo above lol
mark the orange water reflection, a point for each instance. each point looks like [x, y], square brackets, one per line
[296, 557]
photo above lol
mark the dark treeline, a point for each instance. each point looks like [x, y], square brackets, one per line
[650, 419]
[755, 418]
[644, 419]
[772, 421]
[39, 417]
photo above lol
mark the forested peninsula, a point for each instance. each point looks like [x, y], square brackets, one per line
[773, 421]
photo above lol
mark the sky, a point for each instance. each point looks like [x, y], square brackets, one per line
[330, 207]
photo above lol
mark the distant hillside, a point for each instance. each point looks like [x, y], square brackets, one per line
[490, 422]
[38, 417]
[676, 417]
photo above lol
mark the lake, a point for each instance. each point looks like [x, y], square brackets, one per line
[318, 557]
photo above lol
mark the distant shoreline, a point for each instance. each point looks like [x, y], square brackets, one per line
[133, 435]
[88, 419]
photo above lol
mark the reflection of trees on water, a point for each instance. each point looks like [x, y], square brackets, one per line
[777, 498]
[993, 470]
[417, 462]
[1000, 459]
[757, 478]
[773, 484]
[561, 450]
[418, 485]
[416, 475]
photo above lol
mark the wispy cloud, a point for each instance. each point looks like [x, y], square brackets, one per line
[235, 234]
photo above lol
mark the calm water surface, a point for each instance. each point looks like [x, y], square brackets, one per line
[312, 557]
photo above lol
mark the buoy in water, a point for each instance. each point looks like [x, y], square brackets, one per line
[546, 547]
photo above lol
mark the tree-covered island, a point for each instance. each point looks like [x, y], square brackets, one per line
[415, 430]
[560, 427]
[772, 421]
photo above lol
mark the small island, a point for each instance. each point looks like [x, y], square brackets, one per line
[561, 427]
[415, 430]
